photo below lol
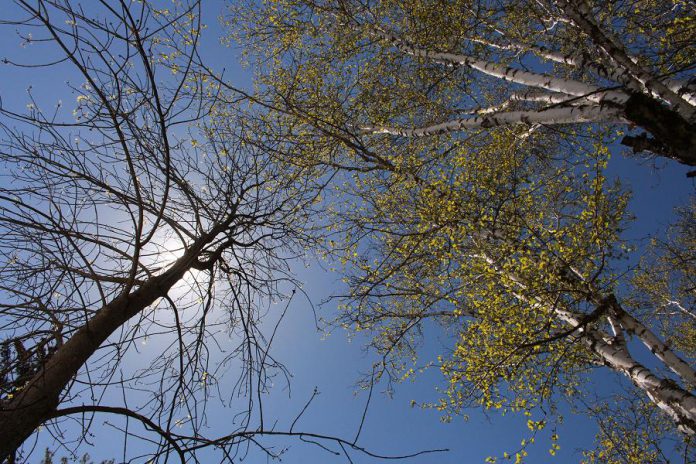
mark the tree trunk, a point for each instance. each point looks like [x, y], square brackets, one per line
[33, 405]
[552, 116]
[656, 346]
[673, 135]
[582, 16]
[676, 402]
[505, 73]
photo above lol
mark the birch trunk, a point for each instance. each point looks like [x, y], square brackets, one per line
[656, 346]
[541, 52]
[517, 76]
[577, 61]
[549, 98]
[581, 15]
[553, 116]
[675, 135]
[677, 403]
[632, 325]
[582, 61]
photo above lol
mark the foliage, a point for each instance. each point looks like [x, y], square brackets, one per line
[665, 283]
[465, 204]
[423, 69]
[633, 434]
[467, 145]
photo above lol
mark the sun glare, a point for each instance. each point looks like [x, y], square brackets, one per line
[172, 249]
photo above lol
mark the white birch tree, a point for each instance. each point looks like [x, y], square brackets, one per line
[473, 137]
[427, 69]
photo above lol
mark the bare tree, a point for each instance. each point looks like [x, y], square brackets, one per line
[142, 213]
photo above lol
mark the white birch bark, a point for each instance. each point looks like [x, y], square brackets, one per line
[581, 15]
[656, 346]
[517, 76]
[552, 116]
[680, 307]
[541, 52]
[677, 403]
[629, 323]
[583, 61]
[494, 109]
[577, 60]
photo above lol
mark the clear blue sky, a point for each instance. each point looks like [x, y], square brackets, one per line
[333, 364]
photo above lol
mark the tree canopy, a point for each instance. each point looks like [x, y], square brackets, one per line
[474, 138]
[422, 69]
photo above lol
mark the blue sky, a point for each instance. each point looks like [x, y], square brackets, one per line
[333, 363]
